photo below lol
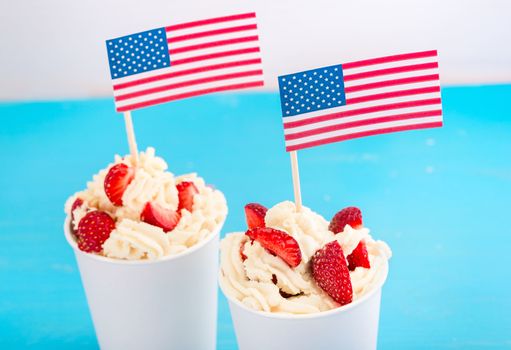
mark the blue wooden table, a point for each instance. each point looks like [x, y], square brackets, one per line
[441, 198]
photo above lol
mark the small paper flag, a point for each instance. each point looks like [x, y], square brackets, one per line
[358, 99]
[185, 60]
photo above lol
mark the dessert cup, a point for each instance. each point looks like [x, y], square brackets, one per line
[170, 303]
[353, 326]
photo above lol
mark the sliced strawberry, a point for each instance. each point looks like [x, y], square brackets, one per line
[348, 216]
[254, 214]
[93, 230]
[186, 191]
[278, 243]
[77, 203]
[359, 257]
[331, 273]
[242, 247]
[118, 178]
[155, 214]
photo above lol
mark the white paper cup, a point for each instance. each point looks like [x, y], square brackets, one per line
[353, 326]
[169, 303]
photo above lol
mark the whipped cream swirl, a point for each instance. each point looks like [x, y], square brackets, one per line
[265, 282]
[132, 239]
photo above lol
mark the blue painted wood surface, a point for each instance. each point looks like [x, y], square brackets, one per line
[439, 197]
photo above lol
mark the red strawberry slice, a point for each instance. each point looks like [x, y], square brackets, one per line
[254, 214]
[359, 257]
[186, 191]
[331, 273]
[155, 214]
[77, 203]
[278, 243]
[118, 178]
[348, 216]
[93, 230]
[242, 255]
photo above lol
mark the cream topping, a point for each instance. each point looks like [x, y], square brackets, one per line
[136, 240]
[152, 182]
[252, 281]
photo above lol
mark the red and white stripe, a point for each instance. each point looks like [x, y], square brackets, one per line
[206, 56]
[383, 95]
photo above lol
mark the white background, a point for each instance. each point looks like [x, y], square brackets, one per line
[55, 48]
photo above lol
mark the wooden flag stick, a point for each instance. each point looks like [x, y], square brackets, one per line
[296, 180]
[132, 142]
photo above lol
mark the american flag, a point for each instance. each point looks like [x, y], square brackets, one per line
[185, 60]
[362, 98]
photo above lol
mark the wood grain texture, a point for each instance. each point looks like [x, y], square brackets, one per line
[439, 197]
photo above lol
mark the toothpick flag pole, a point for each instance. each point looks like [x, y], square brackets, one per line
[296, 180]
[132, 142]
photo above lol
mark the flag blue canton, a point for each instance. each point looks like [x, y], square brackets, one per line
[138, 53]
[312, 90]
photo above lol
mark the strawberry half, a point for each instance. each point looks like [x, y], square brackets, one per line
[186, 191]
[359, 257]
[278, 243]
[154, 214]
[254, 214]
[118, 178]
[77, 203]
[331, 273]
[348, 216]
[93, 230]
[242, 255]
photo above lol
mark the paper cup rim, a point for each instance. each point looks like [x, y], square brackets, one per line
[72, 242]
[315, 315]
